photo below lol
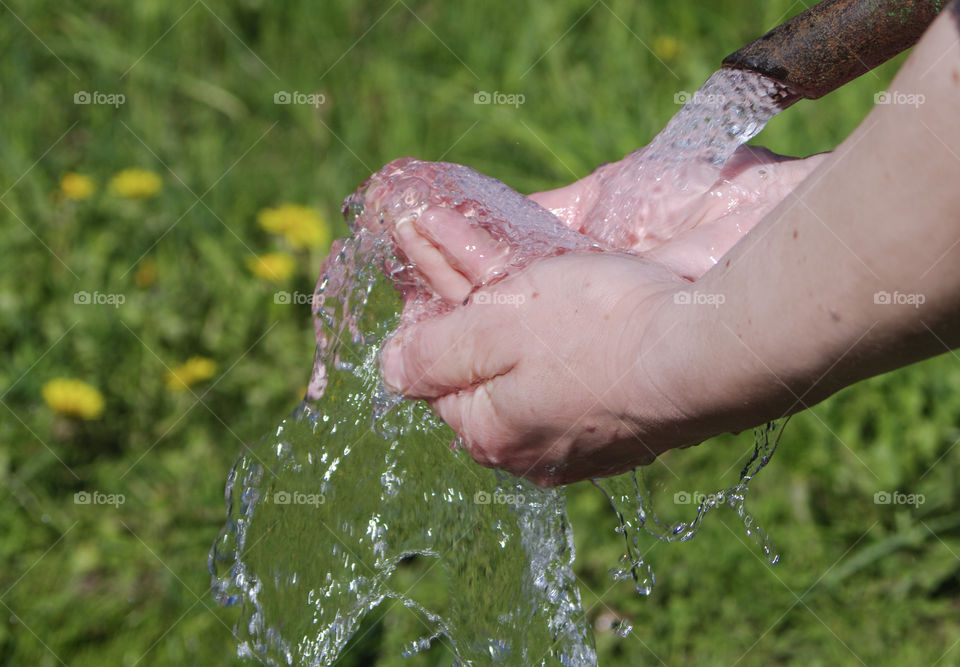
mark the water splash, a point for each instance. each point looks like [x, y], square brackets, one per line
[321, 514]
[642, 197]
[730, 109]
[632, 499]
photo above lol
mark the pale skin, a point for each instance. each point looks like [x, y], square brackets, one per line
[603, 361]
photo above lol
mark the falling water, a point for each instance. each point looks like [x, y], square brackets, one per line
[641, 198]
[322, 513]
[729, 109]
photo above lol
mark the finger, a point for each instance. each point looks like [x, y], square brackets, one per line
[469, 248]
[571, 202]
[692, 253]
[770, 166]
[491, 439]
[457, 351]
[473, 416]
[431, 263]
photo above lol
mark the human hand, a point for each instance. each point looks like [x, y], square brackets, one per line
[502, 375]
[685, 222]
[543, 373]
[726, 368]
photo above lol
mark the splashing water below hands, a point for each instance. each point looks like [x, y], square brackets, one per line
[322, 513]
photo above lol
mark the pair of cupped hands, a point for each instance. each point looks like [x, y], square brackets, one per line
[558, 383]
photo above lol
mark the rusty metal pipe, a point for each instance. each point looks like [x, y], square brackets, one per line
[834, 42]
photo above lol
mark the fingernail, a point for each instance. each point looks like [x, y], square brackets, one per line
[404, 229]
[391, 366]
[429, 223]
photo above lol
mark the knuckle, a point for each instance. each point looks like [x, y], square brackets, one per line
[418, 361]
[489, 446]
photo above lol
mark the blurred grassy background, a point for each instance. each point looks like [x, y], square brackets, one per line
[98, 584]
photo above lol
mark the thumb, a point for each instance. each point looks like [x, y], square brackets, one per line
[444, 355]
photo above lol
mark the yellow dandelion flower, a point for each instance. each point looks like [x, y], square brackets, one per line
[146, 273]
[666, 47]
[274, 266]
[302, 226]
[193, 370]
[278, 220]
[136, 183]
[76, 186]
[74, 398]
[308, 235]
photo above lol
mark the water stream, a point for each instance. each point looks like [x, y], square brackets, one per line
[323, 512]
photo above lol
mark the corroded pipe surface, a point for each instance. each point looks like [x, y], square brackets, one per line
[836, 41]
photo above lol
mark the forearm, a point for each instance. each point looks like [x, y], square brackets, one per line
[799, 317]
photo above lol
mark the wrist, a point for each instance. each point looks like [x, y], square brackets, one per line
[705, 380]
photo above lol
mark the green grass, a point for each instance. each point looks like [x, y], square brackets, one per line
[93, 585]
